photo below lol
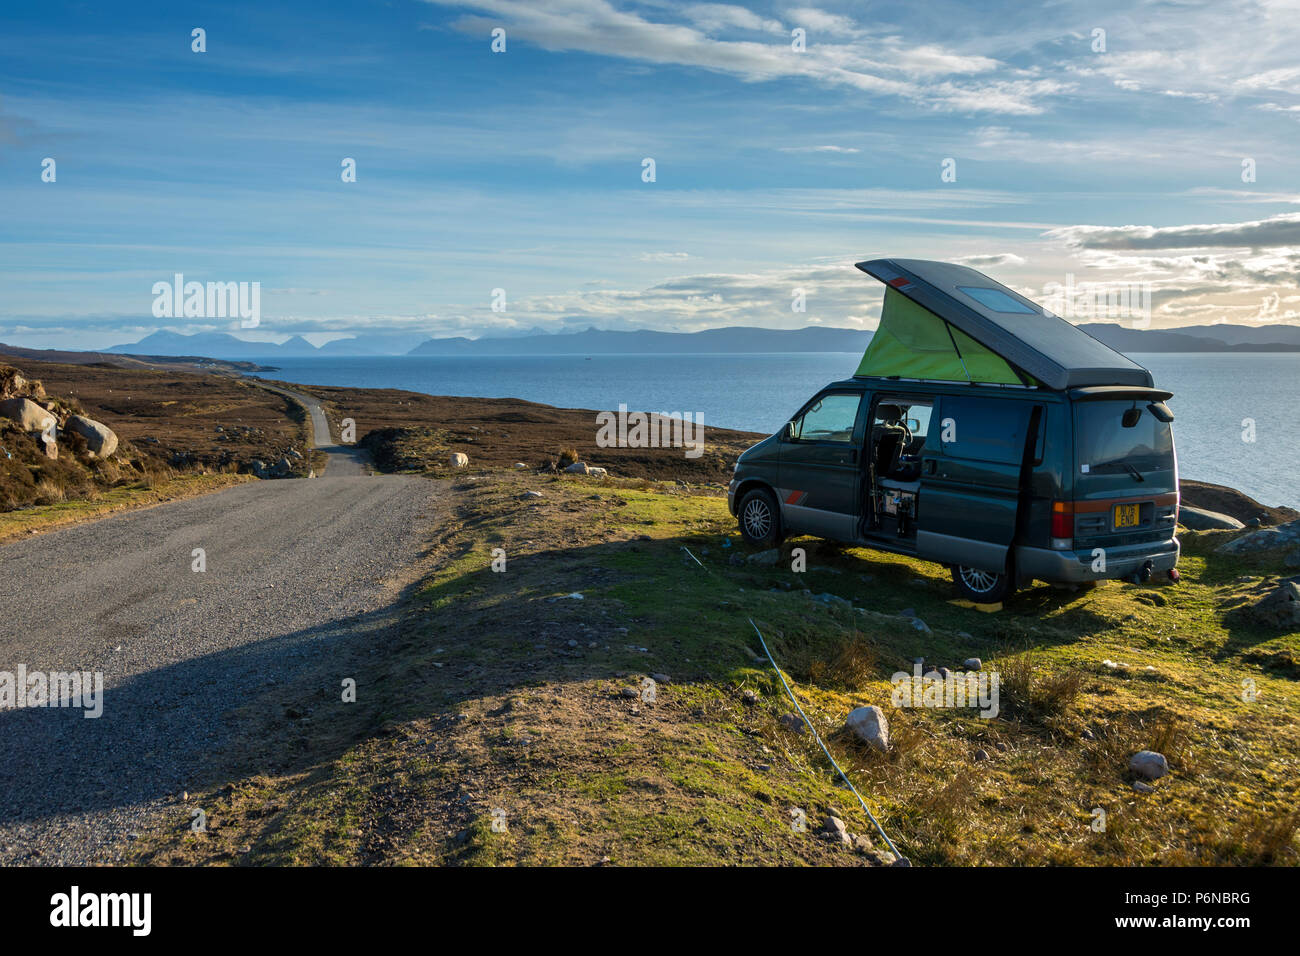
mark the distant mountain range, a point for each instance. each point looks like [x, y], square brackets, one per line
[739, 339]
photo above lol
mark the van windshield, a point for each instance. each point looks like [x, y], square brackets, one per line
[1105, 445]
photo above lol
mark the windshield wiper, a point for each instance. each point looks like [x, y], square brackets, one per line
[1137, 475]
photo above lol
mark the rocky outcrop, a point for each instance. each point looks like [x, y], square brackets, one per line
[1265, 539]
[14, 385]
[101, 441]
[1279, 608]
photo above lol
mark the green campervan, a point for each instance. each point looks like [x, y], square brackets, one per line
[982, 432]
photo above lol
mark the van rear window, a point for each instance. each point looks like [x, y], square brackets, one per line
[1105, 445]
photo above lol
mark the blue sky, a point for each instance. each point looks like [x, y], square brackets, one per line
[775, 168]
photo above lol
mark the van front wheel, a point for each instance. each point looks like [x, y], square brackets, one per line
[981, 586]
[759, 519]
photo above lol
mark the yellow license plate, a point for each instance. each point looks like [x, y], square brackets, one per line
[1126, 516]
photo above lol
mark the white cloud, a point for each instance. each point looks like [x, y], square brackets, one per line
[925, 74]
[1282, 229]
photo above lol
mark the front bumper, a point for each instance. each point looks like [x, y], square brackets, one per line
[731, 496]
[1073, 567]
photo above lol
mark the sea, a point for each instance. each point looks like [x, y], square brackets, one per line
[1237, 415]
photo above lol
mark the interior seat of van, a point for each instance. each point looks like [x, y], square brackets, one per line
[896, 450]
[889, 438]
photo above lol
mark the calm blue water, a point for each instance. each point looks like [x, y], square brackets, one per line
[1213, 393]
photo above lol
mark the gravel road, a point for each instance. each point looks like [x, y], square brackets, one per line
[289, 563]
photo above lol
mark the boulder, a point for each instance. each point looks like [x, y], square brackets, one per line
[578, 468]
[100, 439]
[459, 460]
[870, 726]
[1149, 764]
[29, 416]
[1199, 519]
[768, 557]
[972, 663]
[597, 472]
[49, 447]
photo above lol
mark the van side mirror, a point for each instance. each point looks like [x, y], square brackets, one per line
[787, 431]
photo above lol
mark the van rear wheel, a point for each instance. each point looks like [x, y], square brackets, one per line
[980, 585]
[759, 519]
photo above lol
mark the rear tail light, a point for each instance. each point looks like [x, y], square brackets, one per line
[1062, 525]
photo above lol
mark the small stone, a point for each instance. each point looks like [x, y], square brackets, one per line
[870, 726]
[836, 831]
[1142, 787]
[981, 755]
[792, 723]
[661, 678]
[920, 625]
[972, 663]
[749, 697]
[630, 692]
[769, 557]
[1149, 764]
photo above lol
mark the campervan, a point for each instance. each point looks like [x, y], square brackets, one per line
[982, 432]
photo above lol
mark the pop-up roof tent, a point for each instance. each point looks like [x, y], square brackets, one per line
[945, 322]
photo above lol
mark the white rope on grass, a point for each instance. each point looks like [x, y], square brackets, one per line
[902, 860]
[870, 816]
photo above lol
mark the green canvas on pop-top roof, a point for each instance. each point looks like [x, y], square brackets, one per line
[913, 342]
[1018, 340]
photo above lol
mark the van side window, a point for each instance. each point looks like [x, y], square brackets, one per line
[830, 418]
[983, 429]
